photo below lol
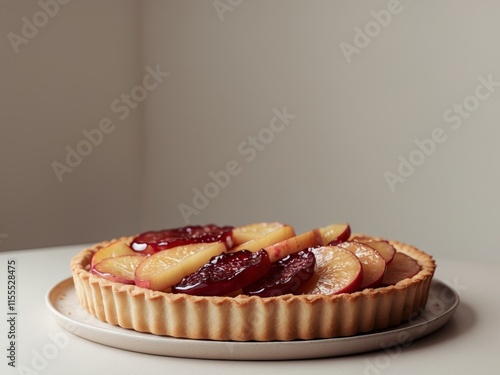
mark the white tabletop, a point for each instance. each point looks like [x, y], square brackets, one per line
[469, 343]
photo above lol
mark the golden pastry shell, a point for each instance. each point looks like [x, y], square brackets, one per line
[252, 318]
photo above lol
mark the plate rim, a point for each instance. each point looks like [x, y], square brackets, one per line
[241, 350]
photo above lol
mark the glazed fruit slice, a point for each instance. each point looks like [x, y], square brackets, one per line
[154, 241]
[166, 268]
[335, 233]
[292, 245]
[261, 235]
[114, 249]
[383, 247]
[120, 269]
[225, 274]
[372, 262]
[286, 276]
[250, 232]
[337, 271]
[402, 267]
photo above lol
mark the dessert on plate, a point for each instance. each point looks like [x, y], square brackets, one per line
[256, 282]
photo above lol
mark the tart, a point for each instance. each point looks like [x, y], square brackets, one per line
[340, 291]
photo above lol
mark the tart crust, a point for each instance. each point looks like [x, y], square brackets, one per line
[247, 318]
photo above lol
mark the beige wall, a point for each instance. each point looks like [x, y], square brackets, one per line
[58, 84]
[351, 118]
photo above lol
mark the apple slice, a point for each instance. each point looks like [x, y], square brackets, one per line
[335, 233]
[269, 235]
[337, 271]
[291, 245]
[372, 262]
[166, 268]
[114, 249]
[402, 267]
[250, 232]
[383, 247]
[120, 269]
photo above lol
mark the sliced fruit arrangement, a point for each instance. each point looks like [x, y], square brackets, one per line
[114, 249]
[337, 271]
[372, 263]
[291, 245]
[260, 259]
[250, 232]
[383, 247]
[257, 236]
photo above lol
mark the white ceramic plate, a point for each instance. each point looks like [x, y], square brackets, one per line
[63, 303]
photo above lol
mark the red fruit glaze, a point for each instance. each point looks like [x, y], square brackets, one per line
[153, 241]
[225, 273]
[285, 276]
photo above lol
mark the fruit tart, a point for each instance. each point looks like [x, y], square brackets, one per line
[257, 282]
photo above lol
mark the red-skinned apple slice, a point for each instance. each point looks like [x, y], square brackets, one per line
[114, 249]
[250, 232]
[383, 247]
[402, 267]
[292, 245]
[337, 271]
[335, 233]
[269, 235]
[372, 262]
[166, 268]
[120, 269]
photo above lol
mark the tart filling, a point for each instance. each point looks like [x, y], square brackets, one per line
[306, 314]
